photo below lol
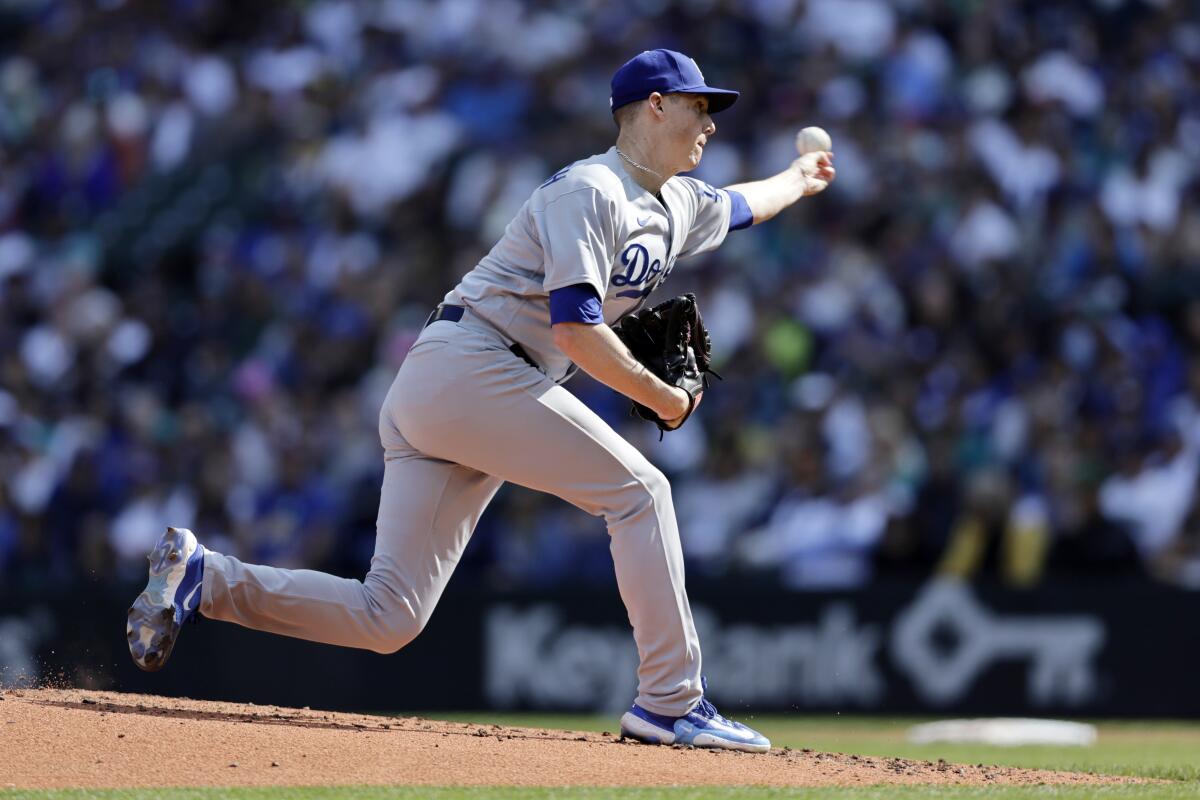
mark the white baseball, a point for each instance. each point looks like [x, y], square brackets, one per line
[812, 139]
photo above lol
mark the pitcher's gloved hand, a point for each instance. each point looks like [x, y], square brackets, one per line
[671, 341]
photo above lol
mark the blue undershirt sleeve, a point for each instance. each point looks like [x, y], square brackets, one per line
[740, 215]
[576, 303]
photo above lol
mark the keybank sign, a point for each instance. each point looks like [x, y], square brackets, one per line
[940, 644]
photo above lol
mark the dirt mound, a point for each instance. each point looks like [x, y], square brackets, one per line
[62, 738]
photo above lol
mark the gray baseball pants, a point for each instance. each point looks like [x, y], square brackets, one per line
[464, 415]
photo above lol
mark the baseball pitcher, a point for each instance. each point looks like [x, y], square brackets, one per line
[478, 402]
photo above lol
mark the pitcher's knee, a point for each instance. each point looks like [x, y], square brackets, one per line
[657, 484]
[392, 618]
[394, 635]
[649, 492]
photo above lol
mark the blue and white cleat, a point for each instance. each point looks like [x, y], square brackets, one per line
[703, 726]
[170, 598]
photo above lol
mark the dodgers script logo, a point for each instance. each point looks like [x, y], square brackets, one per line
[640, 271]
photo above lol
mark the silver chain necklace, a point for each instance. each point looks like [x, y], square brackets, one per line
[639, 166]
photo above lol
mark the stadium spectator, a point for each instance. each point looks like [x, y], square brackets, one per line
[221, 225]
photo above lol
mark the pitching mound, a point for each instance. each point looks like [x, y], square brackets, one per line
[55, 738]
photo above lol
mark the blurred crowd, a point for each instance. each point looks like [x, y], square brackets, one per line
[222, 225]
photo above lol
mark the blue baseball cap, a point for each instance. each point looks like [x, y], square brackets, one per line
[667, 72]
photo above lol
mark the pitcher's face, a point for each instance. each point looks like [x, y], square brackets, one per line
[687, 130]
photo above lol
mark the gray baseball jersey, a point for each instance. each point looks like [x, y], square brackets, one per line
[589, 223]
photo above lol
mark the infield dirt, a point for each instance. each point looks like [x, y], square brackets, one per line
[67, 738]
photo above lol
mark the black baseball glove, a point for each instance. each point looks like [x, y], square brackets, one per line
[671, 341]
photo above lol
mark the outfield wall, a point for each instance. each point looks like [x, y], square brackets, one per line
[1073, 649]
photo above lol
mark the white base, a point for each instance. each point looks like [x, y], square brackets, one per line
[1004, 731]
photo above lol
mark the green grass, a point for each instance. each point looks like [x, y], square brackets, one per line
[1171, 792]
[1169, 750]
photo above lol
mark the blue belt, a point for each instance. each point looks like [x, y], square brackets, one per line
[455, 314]
[443, 311]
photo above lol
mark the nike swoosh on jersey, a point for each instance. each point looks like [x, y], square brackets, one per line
[644, 222]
